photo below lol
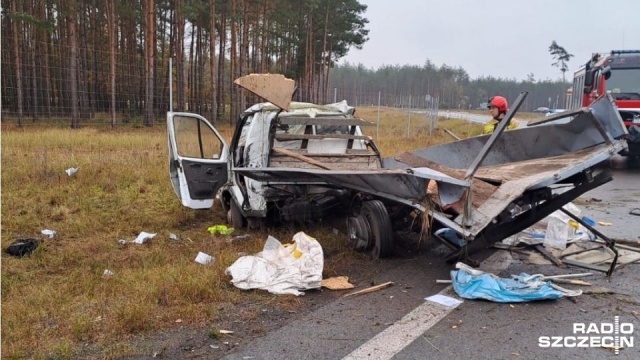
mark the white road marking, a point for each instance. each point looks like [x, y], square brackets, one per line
[402, 333]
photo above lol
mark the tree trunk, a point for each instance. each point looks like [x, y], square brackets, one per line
[179, 56]
[264, 38]
[73, 61]
[196, 77]
[149, 54]
[161, 73]
[324, 61]
[244, 48]
[34, 72]
[190, 84]
[221, 51]
[83, 73]
[112, 58]
[94, 40]
[45, 41]
[233, 61]
[212, 59]
[16, 59]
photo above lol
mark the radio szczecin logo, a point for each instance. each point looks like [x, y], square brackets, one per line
[614, 336]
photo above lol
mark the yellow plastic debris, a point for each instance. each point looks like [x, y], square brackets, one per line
[221, 229]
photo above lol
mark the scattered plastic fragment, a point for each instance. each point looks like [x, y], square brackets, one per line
[22, 247]
[239, 237]
[589, 221]
[173, 236]
[444, 300]
[204, 259]
[221, 229]
[70, 171]
[604, 223]
[451, 236]
[107, 273]
[143, 237]
[49, 233]
[471, 283]
[122, 241]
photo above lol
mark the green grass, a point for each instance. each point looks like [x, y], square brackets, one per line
[57, 299]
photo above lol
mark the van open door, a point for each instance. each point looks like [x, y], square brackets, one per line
[197, 159]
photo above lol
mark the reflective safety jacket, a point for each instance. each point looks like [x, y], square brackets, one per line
[490, 125]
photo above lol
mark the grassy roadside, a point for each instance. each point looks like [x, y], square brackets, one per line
[57, 299]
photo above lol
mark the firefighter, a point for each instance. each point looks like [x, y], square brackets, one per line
[498, 107]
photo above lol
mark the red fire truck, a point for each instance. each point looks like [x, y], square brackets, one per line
[618, 74]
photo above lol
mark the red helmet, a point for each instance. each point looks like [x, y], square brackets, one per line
[499, 102]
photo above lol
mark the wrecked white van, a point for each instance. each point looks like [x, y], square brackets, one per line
[309, 162]
[307, 136]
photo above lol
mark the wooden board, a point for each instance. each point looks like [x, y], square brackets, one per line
[323, 120]
[480, 190]
[275, 88]
[301, 159]
[286, 137]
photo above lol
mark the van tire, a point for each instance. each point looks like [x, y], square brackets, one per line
[380, 228]
[234, 215]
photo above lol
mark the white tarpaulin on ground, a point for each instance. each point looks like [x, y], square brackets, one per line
[281, 269]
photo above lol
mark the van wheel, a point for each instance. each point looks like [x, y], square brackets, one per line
[380, 228]
[358, 230]
[234, 215]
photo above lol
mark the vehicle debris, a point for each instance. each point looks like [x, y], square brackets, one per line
[471, 283]
[203, 258]
[107, 273]
[371, 289]
[337, 283]
[220, 229]
[444, 300]
[49, 233]
[279, 269]
[70, 171]
[274, 87]
[22, 246]
[143, 237]
[548, 255]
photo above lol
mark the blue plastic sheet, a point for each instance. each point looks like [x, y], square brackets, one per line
[486, 286]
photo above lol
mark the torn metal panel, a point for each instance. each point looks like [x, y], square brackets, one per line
[407, 186]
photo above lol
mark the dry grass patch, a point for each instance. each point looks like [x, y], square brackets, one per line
[56, 299]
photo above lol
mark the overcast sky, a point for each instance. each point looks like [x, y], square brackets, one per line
[501, 38]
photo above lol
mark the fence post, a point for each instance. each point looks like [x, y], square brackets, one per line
[171, 85]
[378, 121]
[409, 123]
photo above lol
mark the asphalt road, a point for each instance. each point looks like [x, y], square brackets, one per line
[475, 118]
[398, 323]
